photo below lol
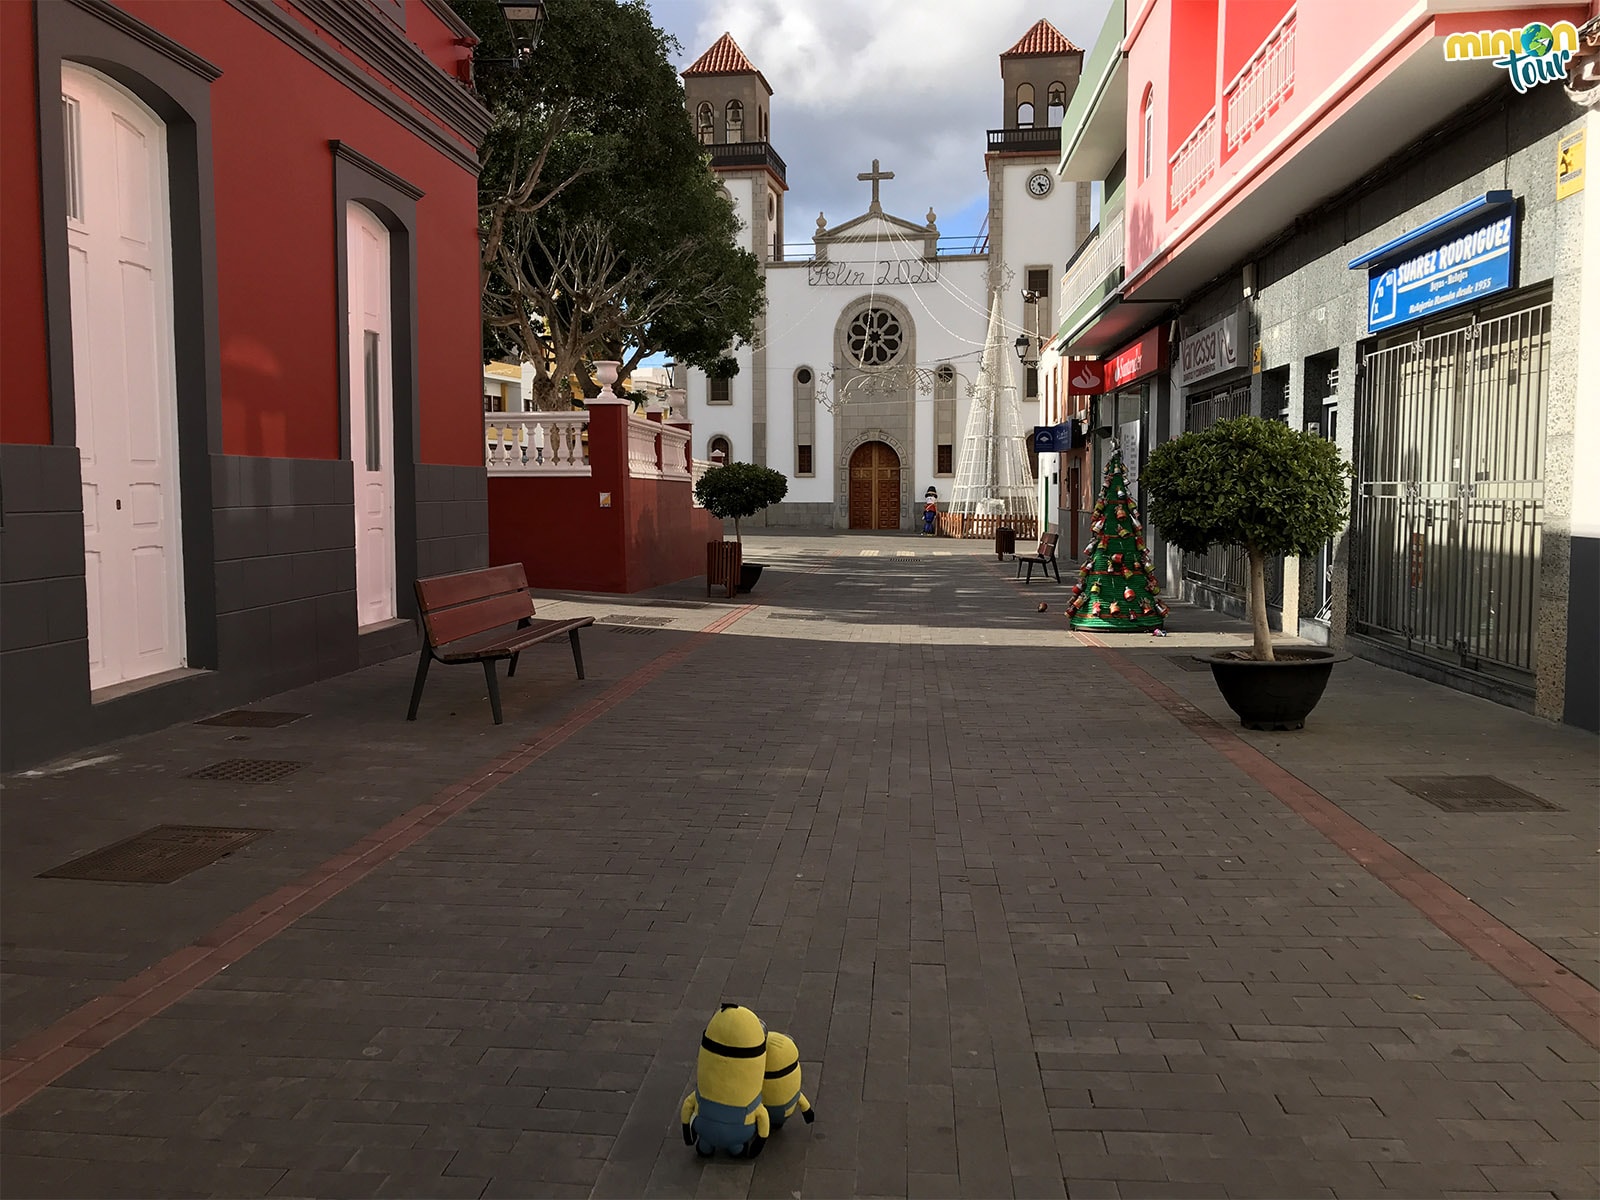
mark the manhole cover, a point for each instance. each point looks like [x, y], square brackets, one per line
[1188, 662]
[627, 629]
[158, 855]
[1472, 793]
[251, 718]
[247, 770]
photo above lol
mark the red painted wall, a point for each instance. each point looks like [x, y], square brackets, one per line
[273, 114]
[651, 535]
[24, 360]
[1191, 72]
[1245, 25]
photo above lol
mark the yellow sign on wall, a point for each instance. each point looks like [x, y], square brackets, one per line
[1569, 165]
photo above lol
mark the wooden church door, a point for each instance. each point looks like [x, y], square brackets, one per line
[874, 487]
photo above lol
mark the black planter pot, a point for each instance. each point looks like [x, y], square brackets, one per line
[1278, 694]
[748, 574]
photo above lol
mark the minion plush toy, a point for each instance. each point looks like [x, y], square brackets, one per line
[725, 1111]
[781, 1092]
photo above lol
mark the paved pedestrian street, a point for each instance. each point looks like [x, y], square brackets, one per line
[1041, 918]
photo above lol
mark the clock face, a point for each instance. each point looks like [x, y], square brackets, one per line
[1039, 183]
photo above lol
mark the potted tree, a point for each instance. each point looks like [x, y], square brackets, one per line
[1268, 489]
[738, 490]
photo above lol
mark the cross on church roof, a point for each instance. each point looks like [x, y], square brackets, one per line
[874, 176]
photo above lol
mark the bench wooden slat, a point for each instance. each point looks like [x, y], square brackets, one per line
[443, 591]
[478, 616]
[507, 643]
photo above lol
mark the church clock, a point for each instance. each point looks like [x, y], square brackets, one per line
[1040, 183]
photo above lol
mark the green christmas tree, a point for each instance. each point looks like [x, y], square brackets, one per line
[1117, 589]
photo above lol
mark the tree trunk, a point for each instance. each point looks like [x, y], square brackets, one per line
[1262, 649]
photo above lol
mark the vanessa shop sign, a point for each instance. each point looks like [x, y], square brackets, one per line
[1212, 351]
[1464, 256]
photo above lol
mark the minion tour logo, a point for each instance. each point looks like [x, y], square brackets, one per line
[1535, 54]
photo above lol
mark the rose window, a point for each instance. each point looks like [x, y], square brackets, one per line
[875, 338]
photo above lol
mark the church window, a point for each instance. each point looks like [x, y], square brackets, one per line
[1058, 105]
[1039, 315]
[719, 391]
[1025, 106]
[805, 420]
[720, 445]
[944, 420]
[705, 122]
[874, 337]
[1030, 386]
[735, 121]
[763, 123]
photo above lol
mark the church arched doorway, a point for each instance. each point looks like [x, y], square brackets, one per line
[874, 487]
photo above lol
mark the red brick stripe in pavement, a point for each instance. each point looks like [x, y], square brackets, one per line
[38, 1060]
[1569, 998]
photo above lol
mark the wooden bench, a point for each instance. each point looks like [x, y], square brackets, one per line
[1044, 556]
[483, 616]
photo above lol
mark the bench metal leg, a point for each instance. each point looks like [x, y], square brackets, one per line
[416, 688]
[577, 653]
[512, 669]
[1029, 579]
[494, 688]
[1057, 567]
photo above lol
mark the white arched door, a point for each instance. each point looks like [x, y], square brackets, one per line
[371, 413]
[120, 262]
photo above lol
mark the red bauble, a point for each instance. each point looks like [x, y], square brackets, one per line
[1127, 593]
[1117, 558]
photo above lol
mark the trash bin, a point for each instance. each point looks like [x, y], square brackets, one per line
[1005, 542]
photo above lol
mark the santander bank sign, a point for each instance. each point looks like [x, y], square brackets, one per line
[1132, 363]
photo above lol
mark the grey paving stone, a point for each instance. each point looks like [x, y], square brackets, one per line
[1030, 939]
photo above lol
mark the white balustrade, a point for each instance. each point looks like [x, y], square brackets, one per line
[701, 466]
[1262, 85]
[1092, 267]
[1195, 162]
[510, 446]
[642, 448]
[674, 452]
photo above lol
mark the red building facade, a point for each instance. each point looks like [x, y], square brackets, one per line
[242, 350]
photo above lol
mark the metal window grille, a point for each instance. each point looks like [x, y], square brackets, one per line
[1223, 569]
[1449, 513]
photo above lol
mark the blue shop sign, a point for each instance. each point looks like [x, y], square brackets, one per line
[1458, 258]
[1052, 439]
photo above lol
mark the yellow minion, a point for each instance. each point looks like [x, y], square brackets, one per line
[725, 1111]
[781, 1092]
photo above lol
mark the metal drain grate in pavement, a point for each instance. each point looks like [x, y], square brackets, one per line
[634, 629]
[790, 616]
[253, 718]
[248, 770]
[632, 619]
[1472, 793]
[674, 604]
[158, 855]
[1187, 662]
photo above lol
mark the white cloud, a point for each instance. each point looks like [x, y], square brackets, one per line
[915, 86]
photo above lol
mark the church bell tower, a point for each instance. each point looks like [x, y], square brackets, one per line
[730, 104]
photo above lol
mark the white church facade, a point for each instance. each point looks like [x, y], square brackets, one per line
[858, 386]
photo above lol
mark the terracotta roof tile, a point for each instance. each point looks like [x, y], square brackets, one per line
[1043, 39]
[724, 58]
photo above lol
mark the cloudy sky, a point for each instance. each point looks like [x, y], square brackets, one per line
[914, 84]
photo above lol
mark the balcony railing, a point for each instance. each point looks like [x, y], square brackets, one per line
[747, 154]
[510, 444]
[1195, 161]
[1094, 265]
[1032, 141]
[1261, 87]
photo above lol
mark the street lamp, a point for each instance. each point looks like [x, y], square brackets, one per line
[525, 21]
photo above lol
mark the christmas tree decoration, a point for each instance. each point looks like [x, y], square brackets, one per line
[1117, 553]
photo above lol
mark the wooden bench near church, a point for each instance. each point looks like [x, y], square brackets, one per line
[483, 616]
